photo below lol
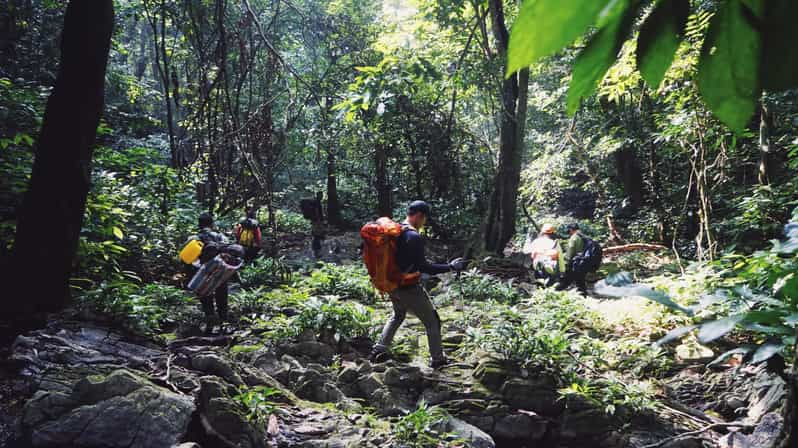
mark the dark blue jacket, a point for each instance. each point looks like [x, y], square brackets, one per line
[410, 254]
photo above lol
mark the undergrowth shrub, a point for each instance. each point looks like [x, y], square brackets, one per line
[473, 286]
[425, 428]
[346, 281]
[148, 309]
[333, 319]
[265, 272]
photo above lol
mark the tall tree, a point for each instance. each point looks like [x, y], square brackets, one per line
[52, 211]
[500, 225]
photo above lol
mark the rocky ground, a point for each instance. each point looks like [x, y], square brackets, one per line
[81, 383]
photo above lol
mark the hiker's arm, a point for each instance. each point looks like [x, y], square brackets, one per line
[415, 245]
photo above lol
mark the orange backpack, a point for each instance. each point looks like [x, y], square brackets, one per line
[379, 254]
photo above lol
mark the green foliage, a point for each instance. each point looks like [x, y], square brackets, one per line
[760, 296]
[148, 309]
[728, 70]
[258, 401]
[345, 281]
[473, 286]
[659, 39]
[424, 428]
[611, 394]
[330, 319]
[732, 57]
[265, 272]
[545, 26]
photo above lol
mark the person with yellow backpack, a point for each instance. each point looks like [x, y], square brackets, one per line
[394, 256]
[248, 235]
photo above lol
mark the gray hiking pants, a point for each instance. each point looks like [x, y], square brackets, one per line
[414, 299]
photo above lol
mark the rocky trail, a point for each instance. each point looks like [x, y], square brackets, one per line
[87, 383]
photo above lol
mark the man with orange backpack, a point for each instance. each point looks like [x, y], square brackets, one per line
[394, 256]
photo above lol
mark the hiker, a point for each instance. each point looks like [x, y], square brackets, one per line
[248, 235]
[312, 211]
[582, 256]
[574, 274]
[410, 295]
[210, 239]
[545, 254]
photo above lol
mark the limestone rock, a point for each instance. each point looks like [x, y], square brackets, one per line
[538, 394]
[118, 410]
[213, 364]
[473, 436]
[520, 427]
[225, 419]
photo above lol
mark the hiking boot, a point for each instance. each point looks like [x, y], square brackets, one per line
[379, 355]
[439, 363]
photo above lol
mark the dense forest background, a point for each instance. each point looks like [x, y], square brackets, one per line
[225, 106]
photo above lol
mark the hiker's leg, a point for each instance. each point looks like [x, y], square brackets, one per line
[393, 324]
[419, 303]
[581, 283]
[221, 301]
[566, 280]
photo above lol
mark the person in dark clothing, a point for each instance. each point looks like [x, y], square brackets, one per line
[209, 238]
[317, 227]
[574, 275]
[410, 258]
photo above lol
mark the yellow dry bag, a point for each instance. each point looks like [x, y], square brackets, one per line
[191, 252]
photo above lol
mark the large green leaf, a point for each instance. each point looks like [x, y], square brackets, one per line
[765, 352]
[744, 350]
[659, 39]
[728, 69]
[779, 67]
[546, 26]
[717, 328]
[600, 53]
[675, 334]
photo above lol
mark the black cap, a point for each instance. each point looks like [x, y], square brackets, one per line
[572, 226]
[205, 220]
[418, 207]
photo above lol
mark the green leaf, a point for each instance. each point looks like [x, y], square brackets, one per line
[779, 68]
[118, 233]
[601, 52]
[659, 39]
[765, 352]
[543, 27]
[675, 334]
[714, 329]
[728, 68]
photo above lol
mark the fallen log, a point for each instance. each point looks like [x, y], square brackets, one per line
[631, 247]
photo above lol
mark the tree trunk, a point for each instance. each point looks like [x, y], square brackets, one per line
[52, 211]
[500, 225]
[383, 189]
[765, 124]
[333, 206]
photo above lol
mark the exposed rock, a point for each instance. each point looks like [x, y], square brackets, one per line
[491, 373]
[473, 436]
[213, 364]
[369, 384]
[311, 350]
[406, 377]
[224, 419]
[520, 427]
[694, 353]
[538, 394]
[120, 410]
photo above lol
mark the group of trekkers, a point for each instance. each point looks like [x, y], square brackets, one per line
[394, 257]
[554, 266]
